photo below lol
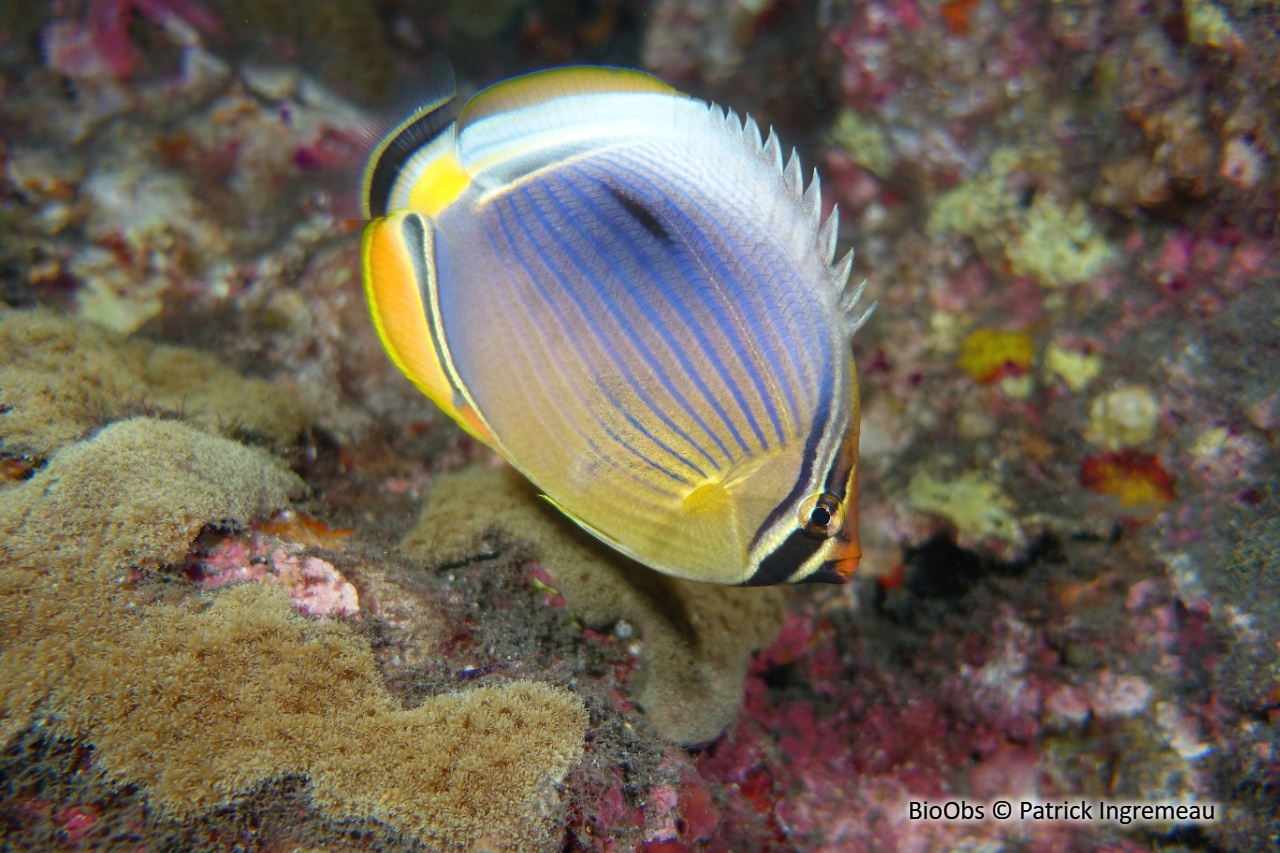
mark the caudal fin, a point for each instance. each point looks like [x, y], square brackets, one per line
[368, 158]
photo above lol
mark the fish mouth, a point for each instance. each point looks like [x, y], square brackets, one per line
[845, 568]
[835, 571]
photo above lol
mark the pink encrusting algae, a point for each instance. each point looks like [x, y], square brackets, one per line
[316, 587]
[99, 42]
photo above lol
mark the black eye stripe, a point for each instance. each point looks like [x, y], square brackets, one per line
[837, 481]
[783, 561]
[800, 546]
[788, 504]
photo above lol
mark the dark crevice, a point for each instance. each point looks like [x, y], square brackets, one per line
[939, 568]
[938, 574]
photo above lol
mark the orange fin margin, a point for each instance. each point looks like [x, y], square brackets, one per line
[395, 289]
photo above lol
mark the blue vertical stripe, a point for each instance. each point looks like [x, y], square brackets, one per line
[642, 168]
[553, 303]
[681, 203]
[565, 276]
[591, 214]
[648, 250]
[801, 485]
[713, 293]
[599, 455]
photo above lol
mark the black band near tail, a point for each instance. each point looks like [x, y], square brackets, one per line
[407, 141]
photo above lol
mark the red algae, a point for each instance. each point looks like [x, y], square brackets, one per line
[1135, 478]
[76, 822]
[956, 13]
[277, 556]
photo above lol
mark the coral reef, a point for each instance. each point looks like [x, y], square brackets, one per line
[1135, 478]
[1053, 243]
[61, 379]
[1125, 417]
[697, 640]
[1068, 482]
[252, 691]
[99, 43]
[136, 494]
[316, 587]
[976, 506]
[990, 355]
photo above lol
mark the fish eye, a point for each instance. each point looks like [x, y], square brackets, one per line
[822, 516]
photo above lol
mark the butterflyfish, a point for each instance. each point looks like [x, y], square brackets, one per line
[627, 294]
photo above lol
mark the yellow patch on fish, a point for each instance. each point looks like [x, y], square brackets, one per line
[441, 183]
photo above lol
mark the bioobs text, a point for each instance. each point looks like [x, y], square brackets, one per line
[950, 810]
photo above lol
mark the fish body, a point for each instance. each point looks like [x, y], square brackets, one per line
[626, 293]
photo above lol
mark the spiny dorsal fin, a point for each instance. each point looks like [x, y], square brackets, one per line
[810, 200]
[813, 206]
[849, 299]
[773, 149]
[549, 84]
[791, 173]
[857, 322]
[841, 269]
[751, 131]
[827, 235]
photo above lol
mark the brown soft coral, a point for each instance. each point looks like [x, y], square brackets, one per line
[60, 379]
[698, 639]
[203, 700]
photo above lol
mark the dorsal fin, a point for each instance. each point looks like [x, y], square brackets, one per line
[827, 236]
[826, 233]
[794, 180]
[495, 154]
[773, 149]
[812, 202]
[519, 126]
[542, 86]
[841, 269]
[849, 301]
[858, 321]
[851, 295]
[751, 131]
